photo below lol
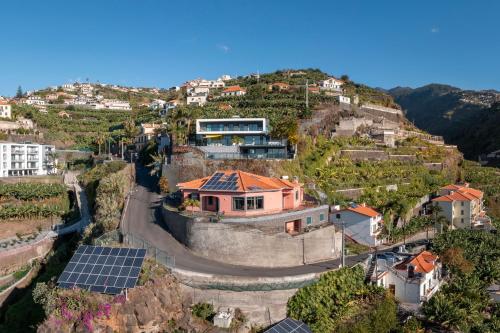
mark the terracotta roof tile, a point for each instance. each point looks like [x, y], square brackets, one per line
[364, 210]
[233, 89]
[424, 262]
[245, 181]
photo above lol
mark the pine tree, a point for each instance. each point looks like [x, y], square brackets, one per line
[19, 92]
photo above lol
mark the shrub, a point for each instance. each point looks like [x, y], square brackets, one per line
[204, 311]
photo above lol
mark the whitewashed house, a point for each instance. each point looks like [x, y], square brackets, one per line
[233, 91]
[362, 224]
[157, 104]
[114, 104]
[413, 280]
[5, 109]
[343, 99]
[332, 84]
[146, 134]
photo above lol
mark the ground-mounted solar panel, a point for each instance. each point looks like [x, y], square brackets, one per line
[289, 325]
[103, 269]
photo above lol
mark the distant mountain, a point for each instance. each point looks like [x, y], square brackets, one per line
[469, 119]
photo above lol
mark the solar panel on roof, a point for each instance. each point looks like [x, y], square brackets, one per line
[289, 325]
[103, 269]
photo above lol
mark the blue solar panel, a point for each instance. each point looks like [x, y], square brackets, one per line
[289, 325]
[103, 269]
[220, 182]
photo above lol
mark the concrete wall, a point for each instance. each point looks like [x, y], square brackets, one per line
[246, 244]
[370, 155]
[12, 260]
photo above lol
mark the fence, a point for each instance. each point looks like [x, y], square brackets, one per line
[116, 237]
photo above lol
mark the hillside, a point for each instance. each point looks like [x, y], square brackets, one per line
[466, 118]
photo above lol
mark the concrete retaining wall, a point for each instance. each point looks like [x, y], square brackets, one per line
[12, 260]
[246, 245]
[370, 155]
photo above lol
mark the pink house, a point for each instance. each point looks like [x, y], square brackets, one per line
[238, 193]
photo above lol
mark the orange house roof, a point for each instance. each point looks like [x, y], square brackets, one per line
[241, 182]
[460, 193]
[364, 210]
[233, 89]
[424, 262]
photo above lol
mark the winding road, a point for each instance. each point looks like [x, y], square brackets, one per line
[142, 218]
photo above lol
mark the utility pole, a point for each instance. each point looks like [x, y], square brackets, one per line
[338, 217]
[307, 93]
[122, 147]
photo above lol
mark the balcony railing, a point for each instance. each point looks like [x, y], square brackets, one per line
[241, 156]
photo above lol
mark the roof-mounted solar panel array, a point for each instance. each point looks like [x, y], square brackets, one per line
[220, 182]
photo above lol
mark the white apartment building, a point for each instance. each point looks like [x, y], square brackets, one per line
[26, 159]
[146, 134]
[462, 206]
[5, 110]
[36, 100]
[197, 99]
[114, 104]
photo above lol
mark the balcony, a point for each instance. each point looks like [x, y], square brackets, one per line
[435, 285]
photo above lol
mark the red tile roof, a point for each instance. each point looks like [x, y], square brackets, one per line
[245, 182]
[233, 89]
[364, 210]
[424, 262]
[460, 193]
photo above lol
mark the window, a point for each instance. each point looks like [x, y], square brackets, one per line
[251, 203]
[321, 217]
[238, 203]
[259, 202]
[194, 196]
[462, 203]
[462, 220]
[462, 212]
[296, 195]
[309, 220]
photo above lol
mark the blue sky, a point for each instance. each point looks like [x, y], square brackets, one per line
[164, 43]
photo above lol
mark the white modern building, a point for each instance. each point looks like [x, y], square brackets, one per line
[5, 110]
[362, 224]
[344, 99]
[26, 159]
[331, 84]
[197, 99]
[36, 100]
[113, 104]
[413, 280]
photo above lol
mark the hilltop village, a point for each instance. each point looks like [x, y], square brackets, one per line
[257, 203]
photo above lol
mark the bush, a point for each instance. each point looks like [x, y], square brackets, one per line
[204, 311]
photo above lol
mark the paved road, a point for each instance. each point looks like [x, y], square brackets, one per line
[143, 218]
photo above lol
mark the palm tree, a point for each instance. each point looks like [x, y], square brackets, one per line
[190, 202]
[99, 140]
[156, 164]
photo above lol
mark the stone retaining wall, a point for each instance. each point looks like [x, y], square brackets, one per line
[12, 260]
[240, 244]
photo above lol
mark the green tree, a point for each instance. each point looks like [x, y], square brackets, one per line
[191, 203]
[19, 93]
[156, 164]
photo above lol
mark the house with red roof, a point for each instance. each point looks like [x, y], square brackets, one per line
[233, 91]
[413, 280]
[462, 206]
[362, 224]
[238, 194]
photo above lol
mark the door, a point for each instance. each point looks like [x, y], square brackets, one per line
[392, 289]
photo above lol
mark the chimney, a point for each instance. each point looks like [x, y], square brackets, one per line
[295, 179]
[284, 177]
[363, 204]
